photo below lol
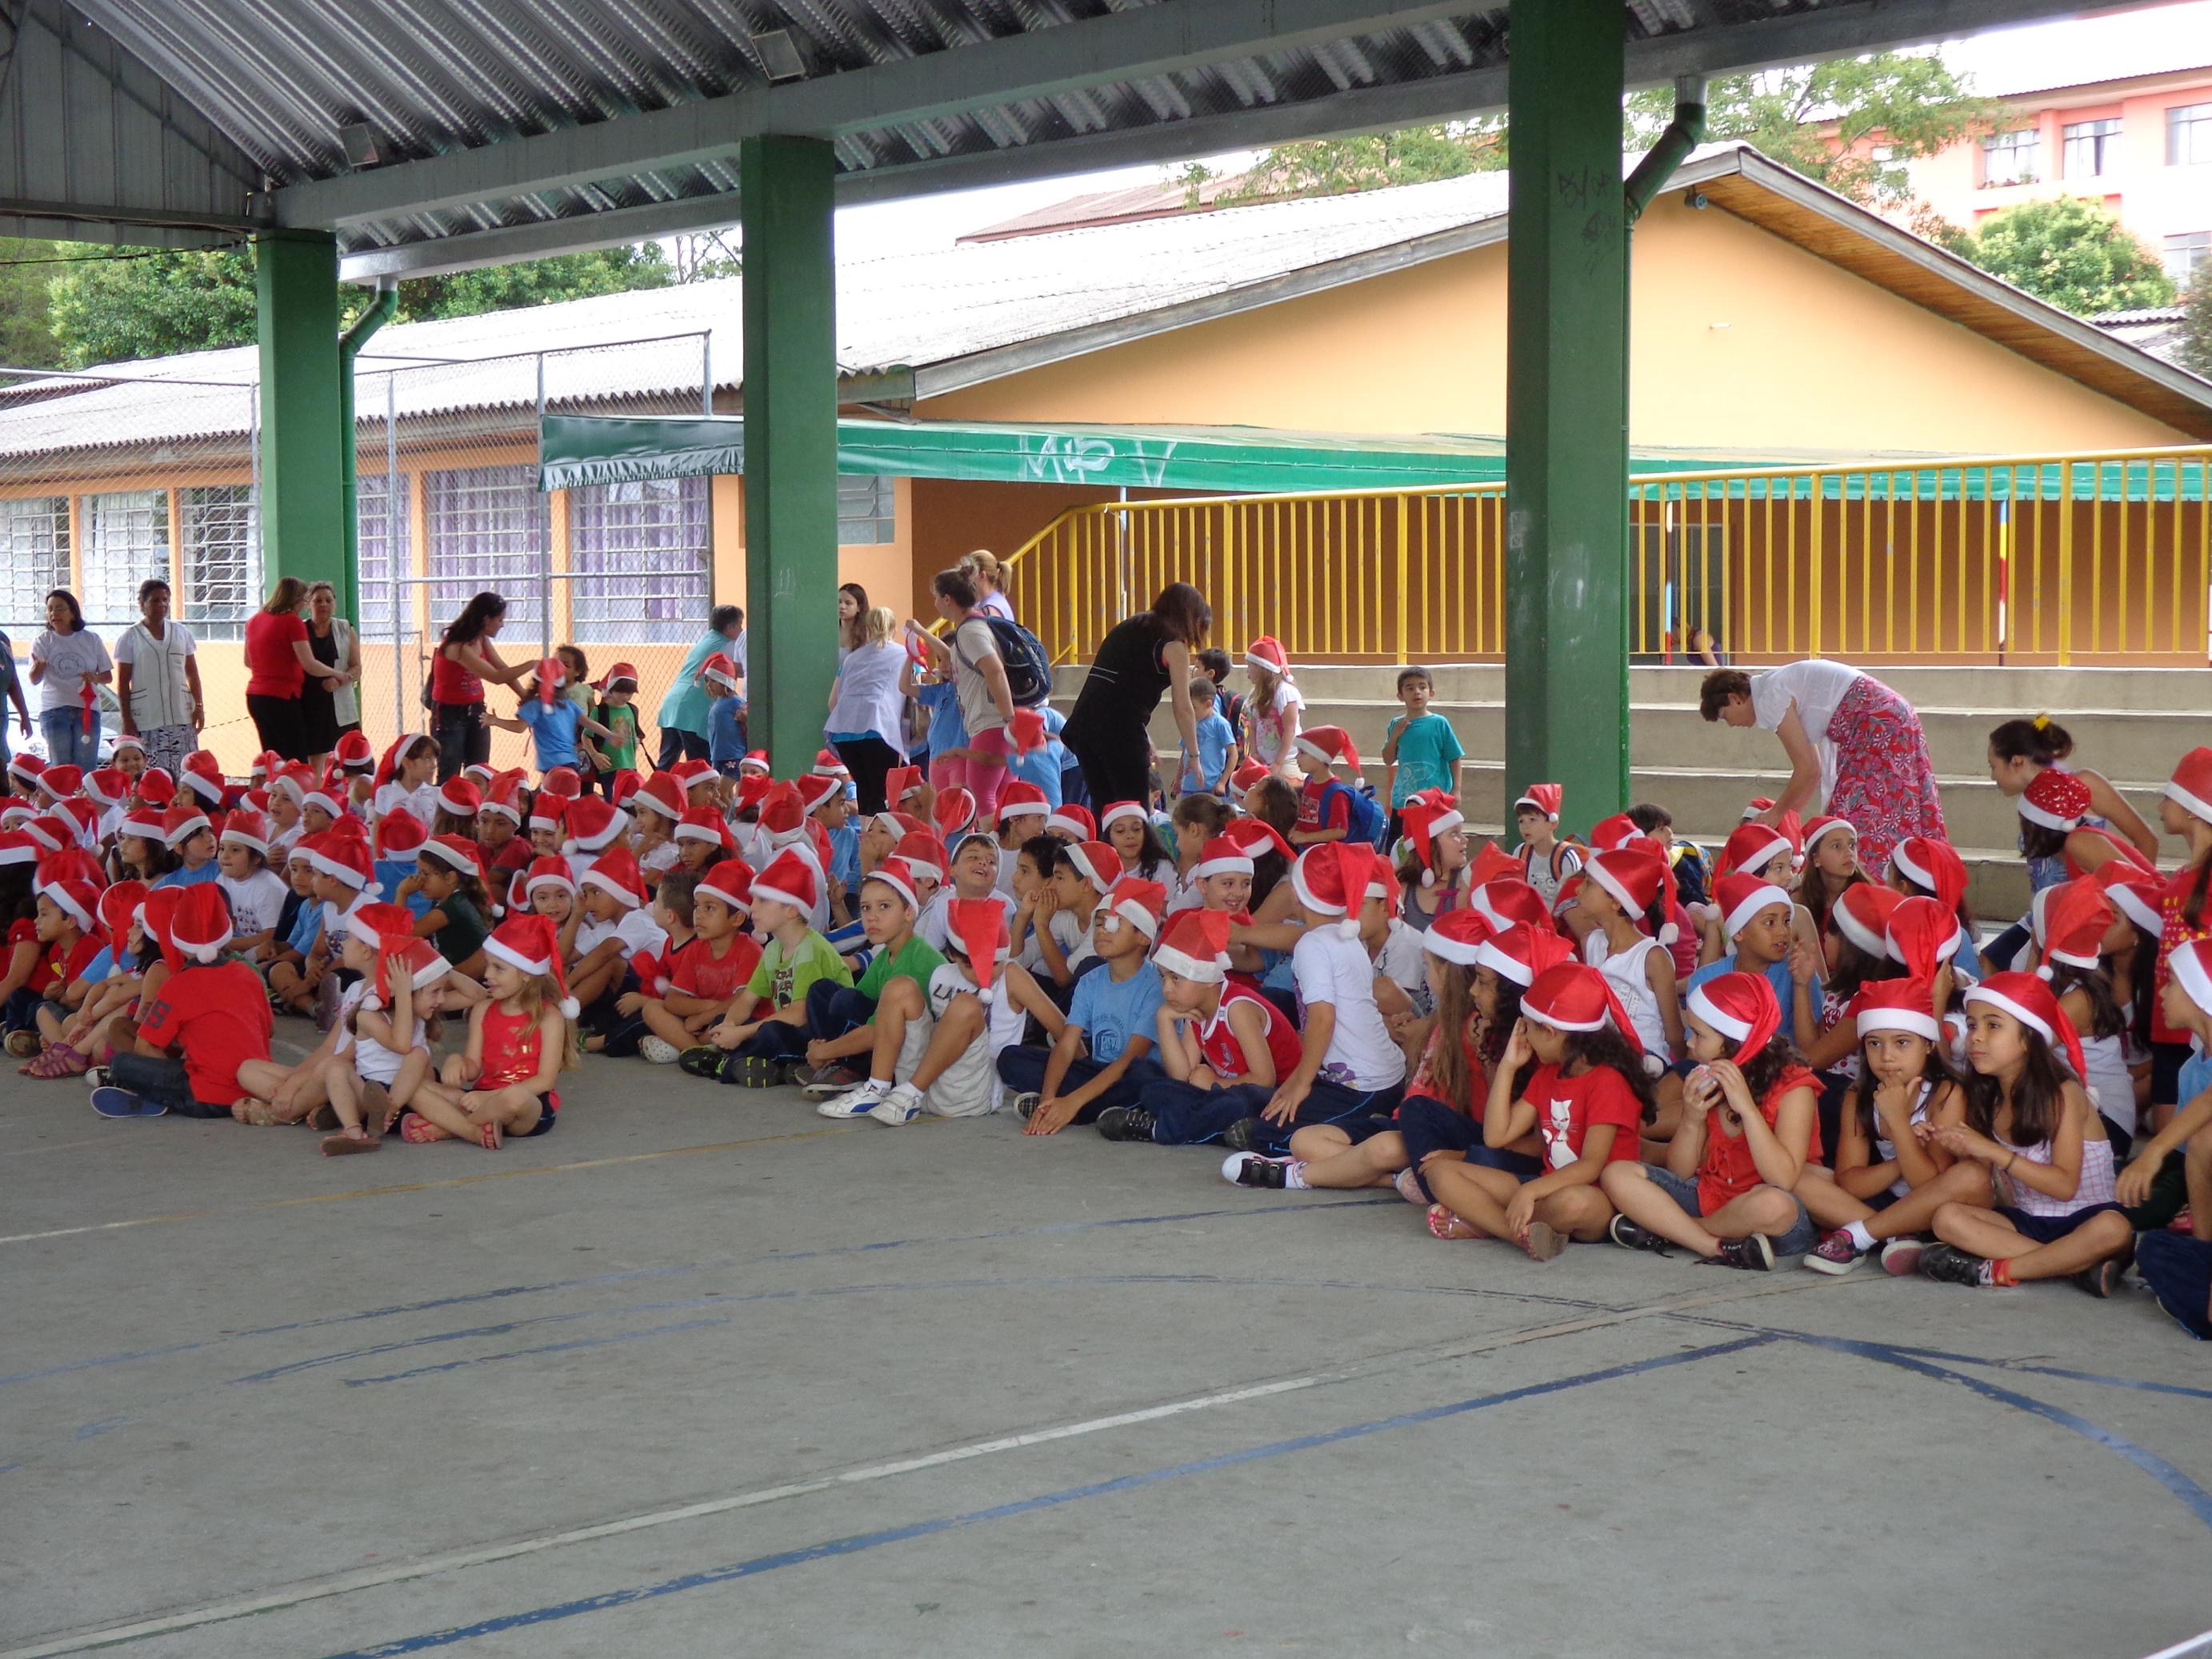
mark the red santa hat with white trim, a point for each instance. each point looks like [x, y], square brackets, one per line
[1861, 915]
[1749, 849]
[203, 776]
[1743, 896]
[829, 763]
[503, 795]
[1427, 816]
[1457, 937]
[201, 926]
[343, 856]
[1220, 856]
[1635, 876]
[399, 833]
[1509, 902]
[2191, 965]
[593, 825]
[1071, 822]
[1331, 879]
[1923, 936]
[1097, 863]
[352, 753]
[953, 812]
[530, 943]
[924, 853]
[1114, 812]
[721, 669]
[1195, 946]
[1545, 797]
[2054, 799]
[705, 824]
[1906, 1004]
[782, 813]
[1741, 1007]
[730, 881]
[2074, 917]
[788, 879]
[460, 797]
[659, 793]
[179, 824]
[79, 899]
[1019, 799]
[83, 819]
[895, 873]
[614, 871]
[1522, 952]
[546, 869]
[388, 765]
[1573, 996]
[457, 853]
[980, 927]
[2138, 896]
[1256, 837]
[245, 829]
[2190, 787]
[1267, 654]
[1932, 864]
[816, 790]
[1332, 744]
[1140, 903]
[549, 811]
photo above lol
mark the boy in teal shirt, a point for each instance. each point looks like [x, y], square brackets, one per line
[1421, 748]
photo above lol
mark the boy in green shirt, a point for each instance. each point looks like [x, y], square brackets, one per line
[886, 1015]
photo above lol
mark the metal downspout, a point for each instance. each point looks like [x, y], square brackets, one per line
[379, 312]
[1683, 134]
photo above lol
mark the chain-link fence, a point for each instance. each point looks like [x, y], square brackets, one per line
[107, 479]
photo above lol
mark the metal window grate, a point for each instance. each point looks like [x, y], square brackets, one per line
[867, 509]
[221, 526]
[641, 560]
[34, 558]
[485, 526]
[373, 508]
[126, 541]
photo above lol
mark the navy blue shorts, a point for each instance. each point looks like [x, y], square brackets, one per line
[547, 1117]
[2050, 1229]
[1357, 1129]
[2178, 1270]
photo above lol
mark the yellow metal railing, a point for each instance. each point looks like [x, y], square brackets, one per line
[2103, 557]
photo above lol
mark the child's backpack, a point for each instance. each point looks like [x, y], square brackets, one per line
[1365, 818]
[1029, 671]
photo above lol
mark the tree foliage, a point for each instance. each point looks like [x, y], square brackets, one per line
[2196, 351]
[1336, 167]
[2072, 252]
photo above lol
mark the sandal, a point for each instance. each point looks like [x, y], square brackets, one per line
[419, 1131]
[338, 1145]
[324, 1117]
[23, 1044]
[257, 1113]
[58, 1061]
[488, 1137]
[1444, 1225]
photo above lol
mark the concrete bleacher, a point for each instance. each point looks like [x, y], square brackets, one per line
[2130, 724]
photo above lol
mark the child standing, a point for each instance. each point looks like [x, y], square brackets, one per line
[1419, 747]
[1206, 773]
[1271, 711]
[616, 714]
[725, 716]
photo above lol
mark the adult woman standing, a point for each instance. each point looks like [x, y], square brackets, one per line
[867, 707]
[681, 716]
[979, 680]
[1850, 740]
[67, 661]
[1110, 732]
[157, 681]
[466, 659]
[852, 606]
[990, 573]
[279, 663]
[328, 710]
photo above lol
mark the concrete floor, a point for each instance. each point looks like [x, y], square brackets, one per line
[701, 1374]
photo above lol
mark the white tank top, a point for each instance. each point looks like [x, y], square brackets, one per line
[2095, 1188]
[2110, 1083]
[1885, 1150]
[1625, 972]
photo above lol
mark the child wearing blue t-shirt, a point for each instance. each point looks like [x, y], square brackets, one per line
[1208, 772]
[726, 729]
[1103, 1055]
[553, 728]
[1421, 748]
[948, 733]
[1043, 765]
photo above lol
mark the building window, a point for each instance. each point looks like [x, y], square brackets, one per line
[485, 526]
[373, 510]
[2187, 254]
[126, 541]
[2091, 147]
[34, 560]
[2189, 136]
[867, 509]
[641, 556]
[2012, 158]
[222, 527]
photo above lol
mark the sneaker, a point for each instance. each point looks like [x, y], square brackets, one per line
[856, 1101]
[899, 1108]
[1125, 1123]
[23, 1045]
[1900, 1257]
[1543, 1242]
[1244, 1135]
[1629, 1237]
[830, 1079]
[97, 1077]
[2100, 1278]
[1408, 1185]
[1251, 1169]
[754, 1071]
[1837, 1254]
[701, 1060]
[658, 1051]
[1755, 1253]
[1950, 1265]
[111, 1102]
[1025, 1103]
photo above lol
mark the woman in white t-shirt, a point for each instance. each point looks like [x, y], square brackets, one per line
[67, 661]
[867, 709]
[1852, 741]
[158, 681]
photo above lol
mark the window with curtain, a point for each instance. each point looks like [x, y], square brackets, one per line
[34, 560]
[2186, 253]
[2012, 158]
[2189, 136]
[2091, 147]
[126, 540]
[640, 562]
[222, 528]
[486, 526]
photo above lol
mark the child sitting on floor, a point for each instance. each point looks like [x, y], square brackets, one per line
[382, 1051]
[1102, 1054]
[872, 1018]
[756, 1044]
[521, 1038]
[712, 971]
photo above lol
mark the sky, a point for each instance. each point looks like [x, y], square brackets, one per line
[2088, 47]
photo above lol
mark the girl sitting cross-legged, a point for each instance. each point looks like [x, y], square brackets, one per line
[521, 1038]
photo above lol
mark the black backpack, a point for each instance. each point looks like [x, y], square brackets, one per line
[1029, 671]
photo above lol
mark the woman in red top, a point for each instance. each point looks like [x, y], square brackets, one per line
[279, 660]
[466, 659]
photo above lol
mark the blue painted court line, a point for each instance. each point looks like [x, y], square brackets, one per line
[868, 1540]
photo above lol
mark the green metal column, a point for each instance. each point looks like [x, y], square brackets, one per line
[296, 291]
[790, 444]
[1566, 411]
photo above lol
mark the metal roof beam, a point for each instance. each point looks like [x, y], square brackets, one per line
[1151, 41]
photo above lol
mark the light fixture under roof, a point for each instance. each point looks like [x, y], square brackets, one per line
[359, 142]
[781, 54]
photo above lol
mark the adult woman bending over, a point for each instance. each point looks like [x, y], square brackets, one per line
[466, 659]
[1109, 732]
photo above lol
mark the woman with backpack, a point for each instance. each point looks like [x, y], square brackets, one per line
[1109, 732]
[986, 699]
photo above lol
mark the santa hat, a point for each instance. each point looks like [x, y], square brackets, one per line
[1861, 915]
[460, 797]
[1220, 856]
[564, 782]
[1897, 1005]
[61, 781]
[692, 772]
[201, 926]
[179, 824]
[352, 753]
[548, 812]
[1755, 805]
[399, 833]
[393, 755]
[1824, 826]
[1743, 896]
[2076, 916]
[2191, 965]
[1331, 879]
[1545, 797]
[552, 675]
[705, 824]
[203, 776]
[1572, 996]
[788, 880]
[146, 825]
[1522, 952]
[2137, 895]
[380, 926]
[622, 784]
[530, 943]
[753, 761]
[71, 864]
[731, 881]
[1195, 945]
[79, 899]
[420, 958]
[1508, 902]
[158, 911]
[593, 824]
[1383, 884]
[660, 793]
[719, 670]
[2028, 1000]
[1073, 822]
[1456, 936]
[1022, 800]
[2190, 787]
[1934, 865]
[343, 857]
[1635, 876]
[324, 795]
[130, 740]
[781, 812]
[925, 853]
[245, 829]
[547, 871]
[1742, 1008]
[616, 872]
[752, 789]
[1922, 935]
[1026, 732]
[829, 763]
[1256, 837]
[292, 781]
[1097, 863]
[1114, 812]
[105, 786]
[895, 873]
[952, 812]
[457, 853]
[156, 786]
[16, 848]
[52, 833]
[979, 927]
[83, 819]
[901, 782]
[816, 790]
[1265, 653]
[1426, 816]
[1251, 772]
[1140, 903]
[1750, 848]
[1332, 744]
[26, 767]
[1491, 863]
[503, 795]
[621, 674]
[117, 906]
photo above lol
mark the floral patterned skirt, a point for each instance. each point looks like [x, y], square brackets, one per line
[1885, 783]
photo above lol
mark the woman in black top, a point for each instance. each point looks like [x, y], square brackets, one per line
[1109, 733]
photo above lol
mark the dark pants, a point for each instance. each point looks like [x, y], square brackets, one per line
[2178, 1272]
[869, 759]
[1185, 1116]
[2005, 946]
[279, 724]
[1117, 769]
[1021, 1068]
[832, 1010]
[20, 1012]
[773, 1041]
[463, 738]
[1428, 1125]
[678, 745]
[163, 1081]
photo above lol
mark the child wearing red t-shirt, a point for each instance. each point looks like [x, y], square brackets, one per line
[64, 928]
[708, 972]
[1750, 1129]
[211, 1011]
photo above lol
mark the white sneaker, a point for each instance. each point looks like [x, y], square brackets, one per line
[854, 1103]
[658, 1051]
[899, 1108]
